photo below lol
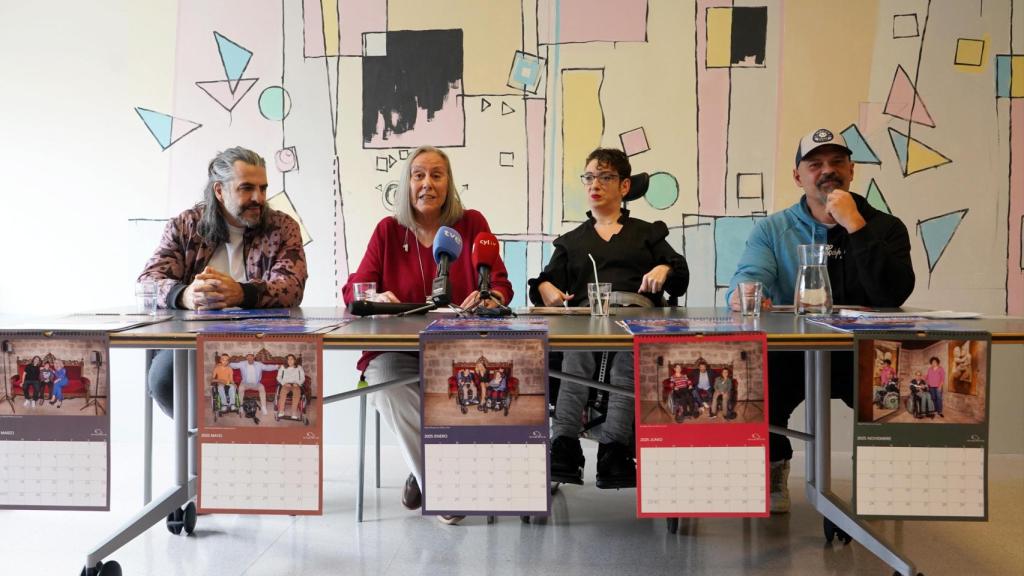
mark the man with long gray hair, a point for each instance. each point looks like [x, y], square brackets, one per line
[228, 250]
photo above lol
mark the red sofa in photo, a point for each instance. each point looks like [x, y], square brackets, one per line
[453, 385]
[77, 386]
[269, 378]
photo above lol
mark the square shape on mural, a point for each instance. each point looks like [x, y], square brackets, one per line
[506, 159]
[969, 52]
[904, 26]
[1010, 75]
[750, 186]
[571, 21]
[401, 109]
[634, 141]
[375, 44]
[526, 72]
[736, 37]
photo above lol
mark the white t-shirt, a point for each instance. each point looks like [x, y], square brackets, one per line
[229, 257]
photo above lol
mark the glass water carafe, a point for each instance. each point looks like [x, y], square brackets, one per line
[813, 293]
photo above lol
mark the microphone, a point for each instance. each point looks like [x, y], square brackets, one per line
[485, 254]
[447, 247]
[366, 308]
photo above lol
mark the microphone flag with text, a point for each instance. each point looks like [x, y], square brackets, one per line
[485, 255]
[447, 248]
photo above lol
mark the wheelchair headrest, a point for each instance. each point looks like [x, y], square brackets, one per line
[638, 184]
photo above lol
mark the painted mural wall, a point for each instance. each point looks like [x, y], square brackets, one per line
[708, 96]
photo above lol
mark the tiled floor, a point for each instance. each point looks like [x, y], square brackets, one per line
[591, 532]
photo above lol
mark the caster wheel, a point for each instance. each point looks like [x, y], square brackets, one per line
[554, 488]
[101, 569]
[176, 521]
[463, 409]
[491, 519]
[190, 518]
[673, 525]
[525, 519]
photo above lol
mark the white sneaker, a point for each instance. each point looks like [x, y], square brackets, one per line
[264, 411]
[26, 402]
[780, 487]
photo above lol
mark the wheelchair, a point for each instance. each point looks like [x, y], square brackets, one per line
[501, 403]
[683, 405]
[279, 403]
[920, 407]
[218, 407]
[888, 397]
[467, 394]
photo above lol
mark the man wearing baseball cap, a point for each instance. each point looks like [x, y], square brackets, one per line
[868, 264]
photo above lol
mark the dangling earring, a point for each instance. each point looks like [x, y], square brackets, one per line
[405, 243]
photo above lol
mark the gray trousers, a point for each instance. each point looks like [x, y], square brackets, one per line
[618, 425]
[399, 406]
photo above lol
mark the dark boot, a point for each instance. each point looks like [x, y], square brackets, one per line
[567, 460]
[615, 466]
[412, 498]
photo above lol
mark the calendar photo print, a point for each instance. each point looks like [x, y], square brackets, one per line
[702, 425]
[921, 427]
[485, 422]
[260, 423]
[54, 422]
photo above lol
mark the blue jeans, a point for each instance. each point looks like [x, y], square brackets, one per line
[618, 425]
[936, 398]
[58, 388]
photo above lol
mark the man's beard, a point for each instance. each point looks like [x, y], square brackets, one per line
[250, 221]
[826, 184]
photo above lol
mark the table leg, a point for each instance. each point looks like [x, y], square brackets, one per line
[820, 486]
[175, 497]
[147, 431]
[362, 457]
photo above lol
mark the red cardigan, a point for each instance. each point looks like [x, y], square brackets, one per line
[396, 269]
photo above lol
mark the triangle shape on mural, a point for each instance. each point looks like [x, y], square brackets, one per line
[166, 129]
[861, 151]
[158, 124]
[936, 233]
[876, 199]
[899, 145]
[484, 104]
[221, 92]
[904, 102]
[233, 57]
[920, 157]
[506, 109]
[914, 155]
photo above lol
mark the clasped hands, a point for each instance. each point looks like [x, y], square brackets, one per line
[212, 290]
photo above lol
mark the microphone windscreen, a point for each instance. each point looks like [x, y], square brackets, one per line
[485, 250]
[447, 241]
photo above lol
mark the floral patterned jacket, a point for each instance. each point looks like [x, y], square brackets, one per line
[274, 260]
